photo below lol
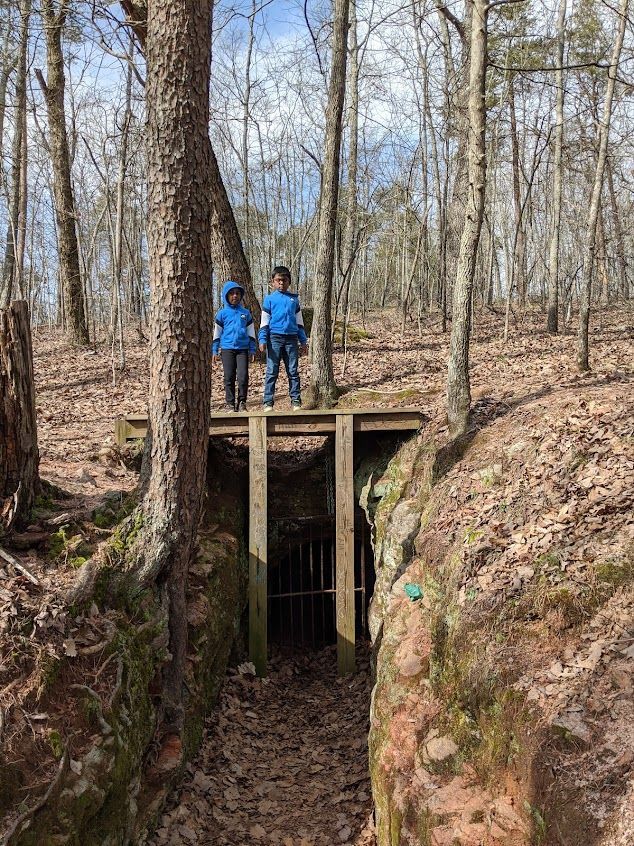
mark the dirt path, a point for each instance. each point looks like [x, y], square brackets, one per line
[284, 762]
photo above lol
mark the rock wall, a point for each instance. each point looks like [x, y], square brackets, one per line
[110, 793]
[502, 713]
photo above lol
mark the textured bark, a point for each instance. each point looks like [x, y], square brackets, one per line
[322, 390]
[10, 278]
[178, 49]
[553, 258]
[583, 360]
[227, 250]
[19, 456]
[458, 387]
[53, 88]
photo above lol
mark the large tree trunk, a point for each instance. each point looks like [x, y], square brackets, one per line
[178, 48]
[227, 250]
[458, 388]
[19, 456]
[553, 259]
[595, 199]
[322, 390]
[18, 167]
[53, 88]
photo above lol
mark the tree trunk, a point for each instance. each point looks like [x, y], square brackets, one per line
[322, 390]
[553, 260]
[53, 88]
[595, 199]
[19, 456]
[178, 49]
[118, 228]
[457, 110]
[227, 250]
[18, 181]
[603, 294]
[519, 246]
[348, 239]
[458, 388]
[624, 287]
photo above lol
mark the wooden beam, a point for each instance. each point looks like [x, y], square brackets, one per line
[344, 546]
[257, 544]
[316, 422]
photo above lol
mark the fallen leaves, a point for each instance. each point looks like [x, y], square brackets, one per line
[284, 762]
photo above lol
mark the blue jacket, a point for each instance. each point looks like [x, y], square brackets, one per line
[282, 315]
[234, 328]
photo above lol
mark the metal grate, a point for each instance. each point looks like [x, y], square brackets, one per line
[301, 580]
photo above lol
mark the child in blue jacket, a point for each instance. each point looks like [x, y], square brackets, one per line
[282, 335]
[234, 344]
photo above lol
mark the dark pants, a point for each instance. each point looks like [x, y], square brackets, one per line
[282, 348]
[235, 363]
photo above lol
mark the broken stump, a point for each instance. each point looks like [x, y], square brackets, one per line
[19, 455]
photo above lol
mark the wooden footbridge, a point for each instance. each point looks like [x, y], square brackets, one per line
[258, 426]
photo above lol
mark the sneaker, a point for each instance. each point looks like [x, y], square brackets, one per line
[228, 407]
[267, 407]
[242, 406]
[296, 406]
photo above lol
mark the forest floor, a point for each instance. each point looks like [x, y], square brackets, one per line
[77, 404]
[284, 761]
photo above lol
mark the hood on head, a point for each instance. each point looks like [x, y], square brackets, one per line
[229, 286]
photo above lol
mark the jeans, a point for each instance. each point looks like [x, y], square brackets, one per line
[235, 363]
[282, 348]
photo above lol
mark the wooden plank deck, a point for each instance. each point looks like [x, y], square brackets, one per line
[304, 422]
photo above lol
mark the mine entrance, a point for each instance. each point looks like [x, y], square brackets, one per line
[350, 590]
[301, 590]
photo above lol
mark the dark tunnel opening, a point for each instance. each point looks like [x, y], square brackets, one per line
[301, 581]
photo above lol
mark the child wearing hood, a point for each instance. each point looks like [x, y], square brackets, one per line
[234, 344]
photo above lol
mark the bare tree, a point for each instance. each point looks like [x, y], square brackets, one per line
[458, 387]
[12, 271]
[553, 261]
[595, 198]
[53, 88]
[322, 389]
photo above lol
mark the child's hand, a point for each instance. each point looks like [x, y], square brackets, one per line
[217, 357]
[262, 347]
[252, 357]
[303, 349]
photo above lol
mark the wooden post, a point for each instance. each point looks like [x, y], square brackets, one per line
[344, 532]
[121, 431]
[257, 544]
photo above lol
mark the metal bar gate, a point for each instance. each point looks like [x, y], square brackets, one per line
[302, 586]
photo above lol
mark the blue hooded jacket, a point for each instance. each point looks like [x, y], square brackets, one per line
[234, 328]
[282, 315]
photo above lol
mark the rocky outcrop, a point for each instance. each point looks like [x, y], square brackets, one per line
[502, 713]
[108, 789]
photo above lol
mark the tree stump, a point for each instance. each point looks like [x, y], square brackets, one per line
[19, 455]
